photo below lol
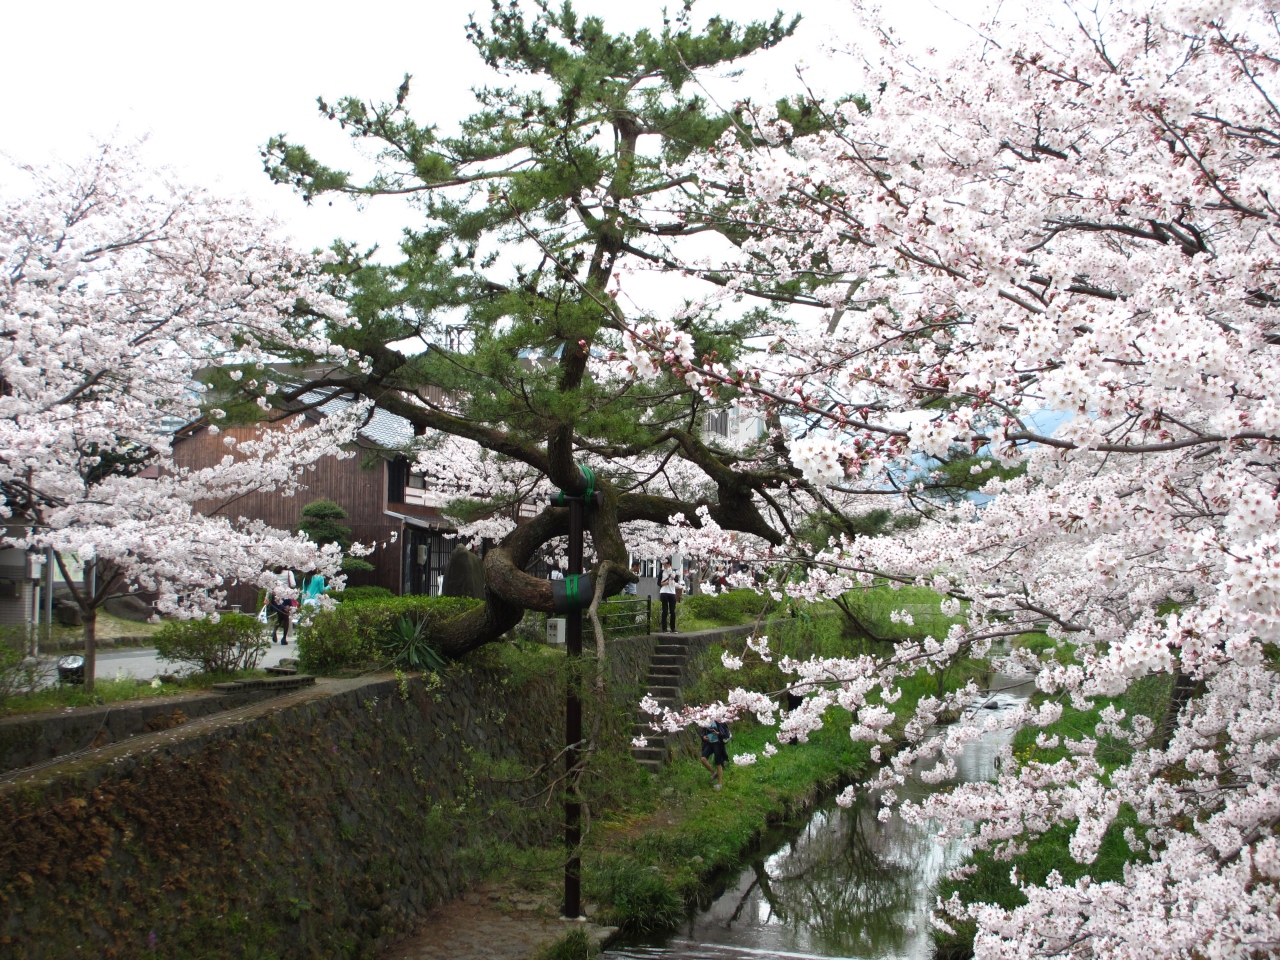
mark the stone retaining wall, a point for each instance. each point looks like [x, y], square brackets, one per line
[318, 824]
[28, 739]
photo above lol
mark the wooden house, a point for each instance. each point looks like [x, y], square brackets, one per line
[387, 506]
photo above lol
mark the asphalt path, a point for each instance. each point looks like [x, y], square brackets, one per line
[143, 663]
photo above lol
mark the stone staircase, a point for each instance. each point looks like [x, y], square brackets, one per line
[663, 684]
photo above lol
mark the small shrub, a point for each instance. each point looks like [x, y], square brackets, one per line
[233, 643]
[641, 900]
[407, 640]
[354, 634]
[574, 945]
[17, 673]
[736, 606]
[361, 594]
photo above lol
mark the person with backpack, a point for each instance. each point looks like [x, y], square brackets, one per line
[669, 586]
[714, 747]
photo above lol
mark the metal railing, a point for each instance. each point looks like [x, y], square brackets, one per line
[627, 616]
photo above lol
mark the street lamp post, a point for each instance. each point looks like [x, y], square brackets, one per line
[571, 595]
[573, 723]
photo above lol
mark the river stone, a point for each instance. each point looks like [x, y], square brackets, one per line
[67, 614]
[129, 608]
[464, 576]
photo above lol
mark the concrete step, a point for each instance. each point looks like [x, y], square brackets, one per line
[668, 660]
[281, 683]
[649, 753]
[670, 650]
[666, 702]
[664, 671]
[653, 766]
[664, 693]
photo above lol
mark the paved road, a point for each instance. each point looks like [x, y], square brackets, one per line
[142, 662]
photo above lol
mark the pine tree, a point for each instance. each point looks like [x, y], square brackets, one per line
[320, 523]
[568, 173]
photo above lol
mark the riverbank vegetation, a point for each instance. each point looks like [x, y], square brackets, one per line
[658, 844]
[984, 878]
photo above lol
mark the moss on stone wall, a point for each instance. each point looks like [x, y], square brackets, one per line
[319, 829]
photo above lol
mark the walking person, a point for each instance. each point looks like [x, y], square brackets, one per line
[714, 740]
[668, 584]
[282, 607]
[313, 590]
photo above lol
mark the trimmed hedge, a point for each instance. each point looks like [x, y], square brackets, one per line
[233, 643]
[361, 594]
[353, 634]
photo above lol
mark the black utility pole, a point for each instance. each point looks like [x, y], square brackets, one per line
[573, 723]
[571, 596]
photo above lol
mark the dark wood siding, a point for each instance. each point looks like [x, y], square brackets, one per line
[358, 484]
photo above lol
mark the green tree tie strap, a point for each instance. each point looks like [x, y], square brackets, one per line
[574, 592]
[561, 498]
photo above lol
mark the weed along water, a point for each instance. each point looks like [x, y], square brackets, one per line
[845, 885]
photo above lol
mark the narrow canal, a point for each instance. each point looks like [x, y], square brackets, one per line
[845, 886]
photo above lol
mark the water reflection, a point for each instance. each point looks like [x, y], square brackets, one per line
[847, 885]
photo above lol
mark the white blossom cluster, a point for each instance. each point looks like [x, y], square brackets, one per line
[1081, 221]
[114, 294]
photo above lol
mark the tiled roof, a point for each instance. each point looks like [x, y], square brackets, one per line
[384, 429]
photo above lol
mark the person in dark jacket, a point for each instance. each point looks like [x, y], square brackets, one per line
[714, 749]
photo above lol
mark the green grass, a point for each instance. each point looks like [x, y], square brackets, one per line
[574, 945]
[656, 854]
[107, 628]
[870, 612]
[59, 696]
[990, 882]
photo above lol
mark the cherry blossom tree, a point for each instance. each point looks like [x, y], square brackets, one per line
[1046, 271]
[116, 289]
[1056, 254]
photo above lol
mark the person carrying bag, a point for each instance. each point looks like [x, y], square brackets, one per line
[669, 590]
[715, 740]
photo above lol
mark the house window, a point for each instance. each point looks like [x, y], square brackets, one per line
[426, 558]
[397, 479]
[718, 423]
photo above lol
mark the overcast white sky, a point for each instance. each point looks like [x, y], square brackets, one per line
[209, 83]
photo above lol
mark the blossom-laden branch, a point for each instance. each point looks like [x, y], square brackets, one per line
[1059, 254]
[116, 291]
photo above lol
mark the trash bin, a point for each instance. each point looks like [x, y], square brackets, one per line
[71, 670]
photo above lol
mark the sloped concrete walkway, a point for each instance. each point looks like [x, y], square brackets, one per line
[494, 922]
